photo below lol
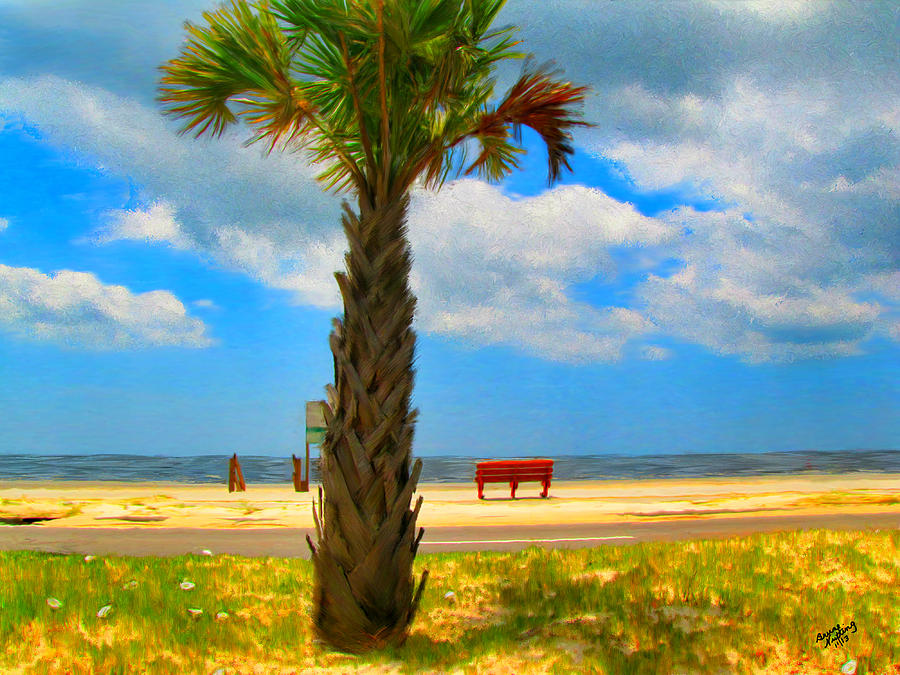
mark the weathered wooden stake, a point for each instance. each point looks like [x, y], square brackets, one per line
[235, 475]
[299, 484]
[304, 485]
[240, 474]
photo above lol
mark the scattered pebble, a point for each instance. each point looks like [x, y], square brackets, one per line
[131, 584]
[221, 616]
[206, 551]
[106, 609]
[849, 668]
[187, 585]
[54, 603]
[450, 595]
[194, 612]
[219, 671]
[88, 558]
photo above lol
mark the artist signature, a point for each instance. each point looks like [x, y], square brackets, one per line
[837, 635]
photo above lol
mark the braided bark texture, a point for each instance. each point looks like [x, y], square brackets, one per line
[364, 595]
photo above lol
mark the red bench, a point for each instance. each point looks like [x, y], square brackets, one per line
[514, 471]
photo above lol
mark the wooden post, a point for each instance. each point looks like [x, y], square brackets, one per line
[304, 485]
[240, 474]
[297, 474]
[235, 475]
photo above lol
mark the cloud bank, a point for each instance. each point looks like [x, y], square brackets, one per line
[786, 114]
[77, 310]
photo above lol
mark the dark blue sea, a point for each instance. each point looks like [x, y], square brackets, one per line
[445, 469]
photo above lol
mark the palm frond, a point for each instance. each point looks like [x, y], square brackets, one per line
[325, 18]
[237, 52]
[239, 64]
[542, 103]
[497, 159]
[388, 89]
[483, 13]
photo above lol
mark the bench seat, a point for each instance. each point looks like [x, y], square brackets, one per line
[514, 471]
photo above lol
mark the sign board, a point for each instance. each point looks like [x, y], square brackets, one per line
[315, 422]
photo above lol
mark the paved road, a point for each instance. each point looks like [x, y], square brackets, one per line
[287, 542]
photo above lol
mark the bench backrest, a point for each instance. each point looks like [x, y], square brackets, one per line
[528, 468]
[524, 463]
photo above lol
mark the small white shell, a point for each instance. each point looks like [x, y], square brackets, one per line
[849, 668]
[54, 603]
[88, 558]
[206, 551]
[194, 612]
[186, 585]
[221, 616]
[106, 609]
[450, 595]
[129, 585]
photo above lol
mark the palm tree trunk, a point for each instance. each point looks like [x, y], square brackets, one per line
[364, 595]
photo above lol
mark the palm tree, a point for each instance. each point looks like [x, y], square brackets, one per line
[383, 93]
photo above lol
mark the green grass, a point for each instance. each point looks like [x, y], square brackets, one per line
[741, 605]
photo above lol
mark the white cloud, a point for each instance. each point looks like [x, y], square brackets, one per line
[76, 309]
[4, 223]
[306, 268]
[564, 230]
[723, 315]
[781, 110]
[204, 184]
[887, 285]
[487, 268]
[264, 215]
[781, 284]
[818, 308]
[493, 270]
[205, 303]
[154, 225]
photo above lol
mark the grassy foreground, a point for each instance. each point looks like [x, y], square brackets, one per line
[742, 605]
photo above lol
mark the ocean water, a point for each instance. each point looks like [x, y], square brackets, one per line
[445, 469]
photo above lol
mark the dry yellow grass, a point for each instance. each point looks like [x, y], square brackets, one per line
[743, 605]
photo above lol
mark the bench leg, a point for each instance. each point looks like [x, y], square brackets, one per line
[513, 484]
[480, 490]
[546, 485]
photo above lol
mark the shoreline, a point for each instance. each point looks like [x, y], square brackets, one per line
[8, 483]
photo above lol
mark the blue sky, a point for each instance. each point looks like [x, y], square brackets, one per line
[721, 273]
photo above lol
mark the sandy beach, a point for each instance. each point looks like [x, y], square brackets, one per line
[167, 505]
[166, 519]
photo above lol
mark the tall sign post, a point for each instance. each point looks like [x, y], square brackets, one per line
[315, 433]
